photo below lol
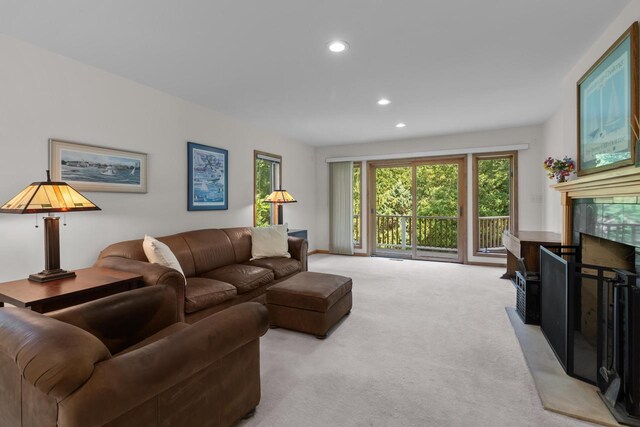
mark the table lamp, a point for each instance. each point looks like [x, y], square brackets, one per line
[49, 197]
[280, 197]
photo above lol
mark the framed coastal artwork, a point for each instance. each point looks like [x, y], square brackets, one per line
[92, 168]
[208, 177]
[608, 108]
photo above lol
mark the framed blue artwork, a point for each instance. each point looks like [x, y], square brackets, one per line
[208, 178]
[608, 108]
[92, 168]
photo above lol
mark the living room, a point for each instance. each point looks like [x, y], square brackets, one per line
[331, 98]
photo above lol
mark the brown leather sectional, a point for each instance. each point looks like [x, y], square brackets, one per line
[217, 265]
[127, 360]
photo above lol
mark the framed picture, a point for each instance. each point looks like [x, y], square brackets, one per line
[91, 168]
[608, 107]
[208, 177]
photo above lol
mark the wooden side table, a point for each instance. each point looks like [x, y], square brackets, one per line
[88, 285]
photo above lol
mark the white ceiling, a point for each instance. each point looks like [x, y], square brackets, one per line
[447, 66]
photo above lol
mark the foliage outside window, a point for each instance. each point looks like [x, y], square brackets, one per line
[394, 204]
[357, 204]
[436, 207]
[267, 175]
[494, 210]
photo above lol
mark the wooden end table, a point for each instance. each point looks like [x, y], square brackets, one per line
[88, 285]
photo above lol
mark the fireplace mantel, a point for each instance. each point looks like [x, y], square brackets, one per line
[623, 182]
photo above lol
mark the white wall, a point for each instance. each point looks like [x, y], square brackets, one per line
[560, 136]
[44, 95]
[553, 136]
[529, 162]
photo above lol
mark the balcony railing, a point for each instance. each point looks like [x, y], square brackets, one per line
[490, 230]
[438, 233]
[433, 232]
[356, 231]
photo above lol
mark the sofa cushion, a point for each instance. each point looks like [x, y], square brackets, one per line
[281, 267]
[241, 240]
[210, 249]
[202, 292]
[159, 253]
[244, 277]
[267, 242]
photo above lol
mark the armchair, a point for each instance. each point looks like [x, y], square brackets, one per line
[126, 360]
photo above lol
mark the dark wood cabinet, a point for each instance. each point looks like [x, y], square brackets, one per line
[526, 244]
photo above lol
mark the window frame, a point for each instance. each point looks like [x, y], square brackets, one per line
[513, 197]
[275, 158]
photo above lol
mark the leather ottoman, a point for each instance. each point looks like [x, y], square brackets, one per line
[310, 302]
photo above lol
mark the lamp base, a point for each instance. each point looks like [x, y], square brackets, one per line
[49, 275]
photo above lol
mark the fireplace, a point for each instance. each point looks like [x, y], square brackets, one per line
[576, 290]
[590, 291]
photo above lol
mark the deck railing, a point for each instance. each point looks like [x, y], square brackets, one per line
[434, 232]
[490, 230]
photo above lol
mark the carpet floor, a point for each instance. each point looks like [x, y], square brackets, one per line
[426, 344]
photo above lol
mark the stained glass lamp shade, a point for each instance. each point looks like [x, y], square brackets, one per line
[280, 197]
[49, 197]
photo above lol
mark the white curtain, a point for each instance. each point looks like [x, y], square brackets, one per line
[341, 207]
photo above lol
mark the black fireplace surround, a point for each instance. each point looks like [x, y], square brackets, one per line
[590, 314]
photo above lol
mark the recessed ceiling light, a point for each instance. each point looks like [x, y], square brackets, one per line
[338, 46]
[383, 101]
[400, 125]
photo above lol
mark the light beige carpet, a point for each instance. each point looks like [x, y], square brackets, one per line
[427, 344]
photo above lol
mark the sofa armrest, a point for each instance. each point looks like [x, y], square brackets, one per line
[124, 319]
[298, 249]
[55, 357]
[124, 382]
[152, 274]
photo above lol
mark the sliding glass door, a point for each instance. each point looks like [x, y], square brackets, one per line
[439, 210]
[393, 216]
[418, 208]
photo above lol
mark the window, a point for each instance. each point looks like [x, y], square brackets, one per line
[495, 201]
[357, 205]
[267, 176]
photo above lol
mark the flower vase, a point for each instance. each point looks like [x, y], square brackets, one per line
[560, 178]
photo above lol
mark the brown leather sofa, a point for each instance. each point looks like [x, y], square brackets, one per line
[216, 265]
[126, 360]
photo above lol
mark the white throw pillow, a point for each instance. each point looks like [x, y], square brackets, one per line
[159, 253]
[267, 242]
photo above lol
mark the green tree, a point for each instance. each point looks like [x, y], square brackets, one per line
[437, 190]
[263, 189]
[393, 191]
[493, 187]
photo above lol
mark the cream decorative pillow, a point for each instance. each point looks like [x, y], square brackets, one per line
[267, 242]
[159, 253]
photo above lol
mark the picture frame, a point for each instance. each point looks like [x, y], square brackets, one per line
[93, 168]
[607, 101]
[208, 180]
